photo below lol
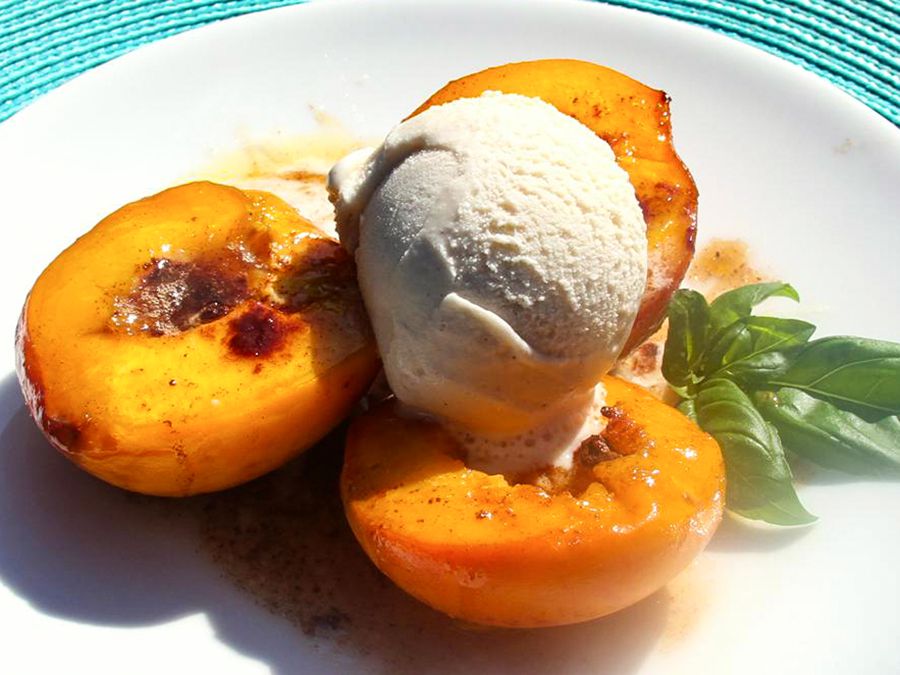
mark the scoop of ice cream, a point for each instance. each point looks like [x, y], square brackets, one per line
[502, 256]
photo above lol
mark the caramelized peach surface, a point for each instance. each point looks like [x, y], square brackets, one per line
[634, 120]
[194, 340]
[480, 549]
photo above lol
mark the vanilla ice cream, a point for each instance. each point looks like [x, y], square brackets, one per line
[502, 256]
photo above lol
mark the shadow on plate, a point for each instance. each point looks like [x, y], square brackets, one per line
[78, 549]
[809, 473]
[739, 535]
[285, 540]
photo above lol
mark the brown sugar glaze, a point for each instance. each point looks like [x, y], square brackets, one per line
[171, 296]
[284, 539]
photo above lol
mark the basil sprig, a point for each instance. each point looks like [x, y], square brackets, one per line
[758, 385]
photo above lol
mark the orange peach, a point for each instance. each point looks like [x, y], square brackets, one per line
[644, 500]
[194, 340]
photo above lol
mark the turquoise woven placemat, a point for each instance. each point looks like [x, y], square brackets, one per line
[853, 43]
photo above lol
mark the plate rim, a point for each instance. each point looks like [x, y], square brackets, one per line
[816, 83]
[35, 112]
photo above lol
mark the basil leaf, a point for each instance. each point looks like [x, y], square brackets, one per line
[759, 479]
[757, 371]
[856, 374]
[686, 339]
[729, 344]
[770, 332]
[688, 408]
[737, 304]
[762, 348]
[829, 436]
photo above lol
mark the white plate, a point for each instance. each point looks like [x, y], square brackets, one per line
[93, 579]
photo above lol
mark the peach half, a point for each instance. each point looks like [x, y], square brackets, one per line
[194, 340]
[644, 499]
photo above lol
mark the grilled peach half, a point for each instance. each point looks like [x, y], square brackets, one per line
[194, 340]
[644, 499]
[634, 119]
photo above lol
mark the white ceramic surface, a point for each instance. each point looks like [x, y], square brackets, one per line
[91, 581]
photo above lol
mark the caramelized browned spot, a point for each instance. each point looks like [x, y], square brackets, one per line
[593, 450]
[622, 434]
[304, 176]
[556, 480]
[259, 331]
[659, 201]
[172, 296]
[63, 433]
[324, 275]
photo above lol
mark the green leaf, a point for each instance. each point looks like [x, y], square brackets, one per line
[829, 436]
[688, 408]
[729, 344]
[771, 332]
[686, 339]
[761, 347]
[760, 484]
[855, 374]
[738, 303]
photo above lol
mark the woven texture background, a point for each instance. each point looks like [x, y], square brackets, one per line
[853, 43]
